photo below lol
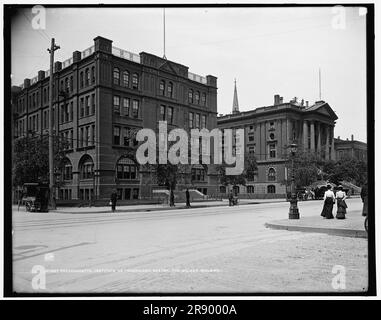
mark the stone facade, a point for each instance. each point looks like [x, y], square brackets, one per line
[100, 96]
[270, 130]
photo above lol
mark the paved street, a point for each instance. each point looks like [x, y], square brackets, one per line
[214, 249]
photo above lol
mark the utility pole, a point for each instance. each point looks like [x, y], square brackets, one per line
[53, 48]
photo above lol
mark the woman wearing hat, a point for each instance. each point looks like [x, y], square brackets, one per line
[329, 200]
[341, 205]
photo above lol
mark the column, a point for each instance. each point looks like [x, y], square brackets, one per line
[312, 137]
[327, 142]
[333, 152]
[318, 147]
[305, 135]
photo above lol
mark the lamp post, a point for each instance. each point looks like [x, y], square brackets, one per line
[294, 211]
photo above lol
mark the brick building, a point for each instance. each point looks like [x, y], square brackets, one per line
[101, 95]
[270, 130]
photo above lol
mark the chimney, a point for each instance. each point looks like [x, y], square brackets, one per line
[352, 137]
[302, 103]
[281, 100]
[41, 75]
[26, 83]
[306, 104]
[338, 138]
[57, 66]
[276, 99]
[76, 56]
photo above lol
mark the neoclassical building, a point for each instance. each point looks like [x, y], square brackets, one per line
[269, 130]
[101, 97]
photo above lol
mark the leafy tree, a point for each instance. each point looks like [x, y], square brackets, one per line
[307, 168]
[31, 158]
[349, 169]
[250, 169]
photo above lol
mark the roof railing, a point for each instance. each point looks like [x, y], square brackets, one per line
[124, 54]
[196, 77]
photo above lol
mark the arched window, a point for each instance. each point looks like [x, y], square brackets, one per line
[271, 189]
[67, 87]
[116, 76]
[66, 170]
[135, 81]
[162, 87]
[126, 79]
[271, 175]
[87, 72]
[93, 74]
[86, 167]
[170, 90]
[126, 169]
[190, 96]
[197, 97]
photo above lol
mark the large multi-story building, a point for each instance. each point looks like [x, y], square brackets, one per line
[101, 95]
[268, 133]
[350, 149]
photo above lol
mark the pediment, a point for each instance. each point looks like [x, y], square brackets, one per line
[323, 109]
[168, 67]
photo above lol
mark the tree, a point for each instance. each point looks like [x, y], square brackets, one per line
[348, 169]
[250, 169]
[31, 158]
[307, 168]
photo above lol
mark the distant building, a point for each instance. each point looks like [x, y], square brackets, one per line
[103, 94]
[270, 130]
[350, 149]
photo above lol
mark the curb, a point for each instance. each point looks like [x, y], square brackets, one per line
[160, 209]
[352, 233]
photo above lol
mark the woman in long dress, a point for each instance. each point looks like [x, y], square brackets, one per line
[341, 205]
[329, 200]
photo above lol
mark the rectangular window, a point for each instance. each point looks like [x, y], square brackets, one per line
[197, 120]
[87, 105]
[80, 142]
[117, 135]
[67, 113]
[93, 103]
[126, 140]
[127, 194]
[126, 106]
[71, 111]
[190, 120]
[170, 115]
[86, 136]
[203, 99]
[251, 137]
[272, 150]
[203, 121]
[82, 107]
[93, 134]
[251, 150]
[135, 193]
[162, 113]
[116, 104]
[135, 108]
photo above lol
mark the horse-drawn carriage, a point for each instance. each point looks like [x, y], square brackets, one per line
[35, 197]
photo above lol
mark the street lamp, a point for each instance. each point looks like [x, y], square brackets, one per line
[294, 211]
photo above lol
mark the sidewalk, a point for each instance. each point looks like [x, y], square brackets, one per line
[352, 226]
[155, 207]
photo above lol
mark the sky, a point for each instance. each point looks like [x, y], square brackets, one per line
[267, 50]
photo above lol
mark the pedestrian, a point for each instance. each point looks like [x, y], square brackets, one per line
[231, 198]
[171, 198]
[341, 204]
[187, 196]
[364, 198]
[329, 200]
[113, 200]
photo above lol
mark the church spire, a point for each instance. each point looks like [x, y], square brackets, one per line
[235, 98]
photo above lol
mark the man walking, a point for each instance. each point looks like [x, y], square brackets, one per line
[187, 196]
[113, 200]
